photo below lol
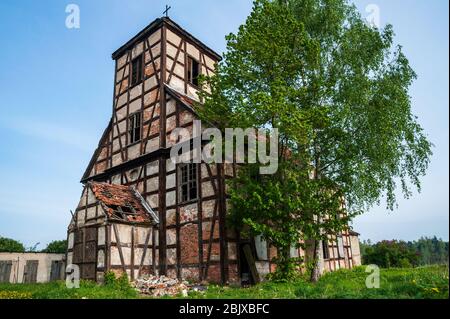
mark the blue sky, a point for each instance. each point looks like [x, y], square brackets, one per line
[56, 93]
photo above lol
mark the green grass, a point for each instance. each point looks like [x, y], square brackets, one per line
[58, 290]
[424, 282]
[417, 283]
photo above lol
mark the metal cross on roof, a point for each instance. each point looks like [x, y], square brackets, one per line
[166, 12]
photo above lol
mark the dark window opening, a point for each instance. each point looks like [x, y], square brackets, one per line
[245, 268]
[193, 71]
[326, 249]
[188, 182]
[122, 212]
[135, 128]
[136, 71]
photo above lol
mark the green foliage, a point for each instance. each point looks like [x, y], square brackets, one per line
[56, 247]
[413, 283]
[391, 253]
[337, 91]
[429, 251]
[8, 245]
[417, 283]
[58, 290]
[110, 278]
[121, 283]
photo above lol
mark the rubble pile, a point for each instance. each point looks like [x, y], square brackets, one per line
[159, 286]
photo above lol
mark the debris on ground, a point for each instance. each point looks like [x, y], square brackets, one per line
[159, 286]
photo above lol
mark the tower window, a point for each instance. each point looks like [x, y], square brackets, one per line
[136, 71]
[134, 129]
[193, 71]
[188, 182]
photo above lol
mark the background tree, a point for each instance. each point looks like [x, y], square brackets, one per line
[391, 253]
[422, 252]
[56, 247]
[8, 245]
[337, 90]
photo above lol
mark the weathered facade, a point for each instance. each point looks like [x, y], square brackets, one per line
[182, 232]
[20, 268]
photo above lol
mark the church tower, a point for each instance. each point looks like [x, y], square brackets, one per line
[140, 213]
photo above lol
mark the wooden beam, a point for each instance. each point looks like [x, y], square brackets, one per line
[116, 233]
[251, 262]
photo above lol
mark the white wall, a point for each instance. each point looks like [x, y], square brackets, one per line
[19, 261]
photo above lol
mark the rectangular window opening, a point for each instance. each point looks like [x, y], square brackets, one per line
[136, 71]
[188, 182]
[134, 129]
[193, 71]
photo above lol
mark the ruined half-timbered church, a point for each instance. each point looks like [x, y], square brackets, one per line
[141, 214]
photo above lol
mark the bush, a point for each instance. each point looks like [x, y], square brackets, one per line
[387, 254]
[8, 245]
[122, 283]
[110, 278]
[56, 247]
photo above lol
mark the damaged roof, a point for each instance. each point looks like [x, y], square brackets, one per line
[124, 203]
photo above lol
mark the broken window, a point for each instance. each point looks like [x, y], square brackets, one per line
[188, 182]
[136, 71]
[135, 128]
[326, 249]
[193, 71]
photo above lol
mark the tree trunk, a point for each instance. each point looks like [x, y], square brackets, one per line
[316, 271]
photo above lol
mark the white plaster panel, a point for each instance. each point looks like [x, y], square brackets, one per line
[170, 198]
[137, 50]
[135, 92]
[155, 37]
[101, 236]
[134, 151]
[153, 184]
[152, 168]
[70, 241]
[176, 83]
[170, 181]
[101, 258]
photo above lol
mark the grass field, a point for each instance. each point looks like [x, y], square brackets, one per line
[411, 283]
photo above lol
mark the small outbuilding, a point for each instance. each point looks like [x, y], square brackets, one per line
[19, 268]
[113, 229]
